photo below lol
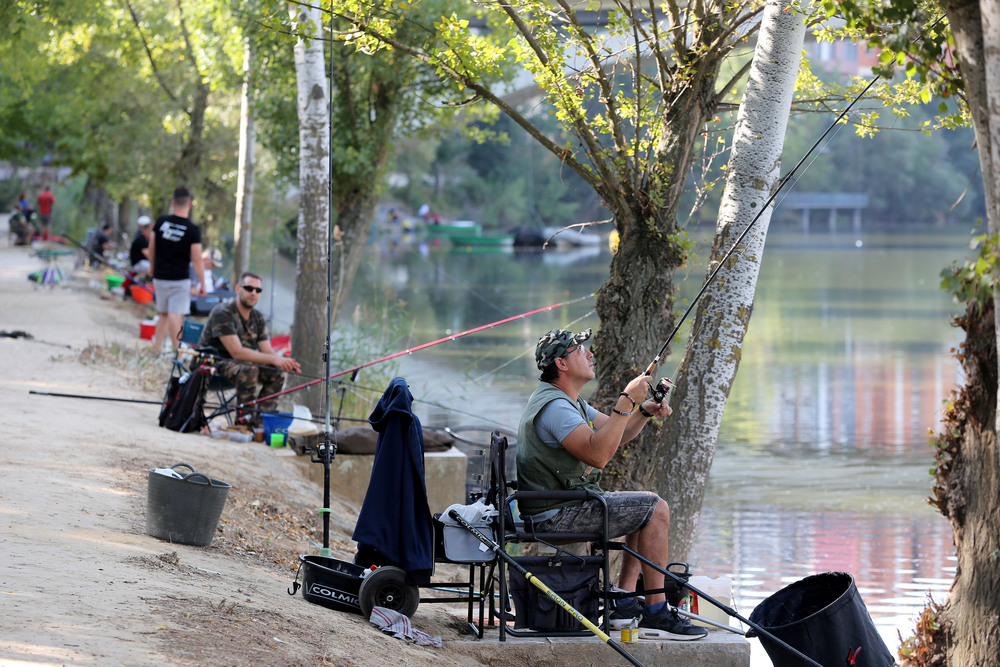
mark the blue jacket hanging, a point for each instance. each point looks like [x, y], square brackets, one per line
[395, 525]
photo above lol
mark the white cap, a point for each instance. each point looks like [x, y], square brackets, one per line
[143, 221]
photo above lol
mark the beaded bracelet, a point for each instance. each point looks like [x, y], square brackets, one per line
[629, 398]
[619, 412]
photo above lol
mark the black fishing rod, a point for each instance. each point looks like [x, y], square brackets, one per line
[104, 261]
[329, 450]
[160, 403]
[95, 398]
[210, 353]
[540, 585]
[24, 335]
[661, 389]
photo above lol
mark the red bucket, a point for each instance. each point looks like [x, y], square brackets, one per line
[141, 294]
[147, 329]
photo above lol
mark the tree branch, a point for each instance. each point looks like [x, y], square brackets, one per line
[564, 154]
[152, 61]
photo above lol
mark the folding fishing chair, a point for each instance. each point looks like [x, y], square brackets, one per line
[202, 360]
[583, 581]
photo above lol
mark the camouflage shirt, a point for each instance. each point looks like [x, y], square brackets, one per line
[225, 320]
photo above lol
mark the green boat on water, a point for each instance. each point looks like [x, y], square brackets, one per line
[489, 241]
[463, 228]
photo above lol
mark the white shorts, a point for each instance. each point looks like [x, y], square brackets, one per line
[173, 296]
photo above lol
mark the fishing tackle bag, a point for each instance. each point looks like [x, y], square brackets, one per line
[183, 410]
[576, 579]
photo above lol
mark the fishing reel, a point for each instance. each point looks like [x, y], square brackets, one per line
[661, 389]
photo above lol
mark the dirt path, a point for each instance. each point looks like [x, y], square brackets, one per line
[80, 581]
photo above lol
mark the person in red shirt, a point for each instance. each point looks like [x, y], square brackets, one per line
[45, 202]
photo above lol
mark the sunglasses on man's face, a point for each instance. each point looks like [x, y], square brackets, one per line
[251, 288]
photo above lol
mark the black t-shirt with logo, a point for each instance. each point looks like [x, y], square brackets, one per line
[174, 238]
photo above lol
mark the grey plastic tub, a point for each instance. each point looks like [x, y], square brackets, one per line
[185, 510]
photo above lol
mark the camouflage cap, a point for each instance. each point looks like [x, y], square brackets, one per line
[554, 344]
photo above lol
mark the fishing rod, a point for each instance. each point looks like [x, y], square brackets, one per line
[104, 261]
[411, 350]
[540, 585]
[148, 402]
[661, 389]
[95, 398]
[329, 449]
[24, 335]
[206, 353]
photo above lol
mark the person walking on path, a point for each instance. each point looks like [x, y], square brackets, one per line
[175, 243]
[45, 202]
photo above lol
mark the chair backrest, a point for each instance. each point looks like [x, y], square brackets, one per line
[498, 488]
[191, 332]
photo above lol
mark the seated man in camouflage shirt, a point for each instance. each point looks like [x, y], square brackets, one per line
[238, 332]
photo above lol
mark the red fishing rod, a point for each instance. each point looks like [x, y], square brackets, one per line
[411, 350]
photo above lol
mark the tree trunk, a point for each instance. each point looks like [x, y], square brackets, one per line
[125, 219]
[712, 355]
[966, 488]
[309, 332]
[245, 175]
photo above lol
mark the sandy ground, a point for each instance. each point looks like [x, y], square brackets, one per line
[81, 583]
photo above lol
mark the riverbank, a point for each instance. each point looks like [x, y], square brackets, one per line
[81, 581]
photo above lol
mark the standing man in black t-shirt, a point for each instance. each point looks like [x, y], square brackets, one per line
[175, 243]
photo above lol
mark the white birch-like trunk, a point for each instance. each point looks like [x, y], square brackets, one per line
[245, 174]
[713, 351]
[309, 330]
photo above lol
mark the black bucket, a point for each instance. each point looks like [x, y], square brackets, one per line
[824, 617]
[185, 510]
[331, 583]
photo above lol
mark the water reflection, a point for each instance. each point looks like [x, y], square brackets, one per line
[822, 458]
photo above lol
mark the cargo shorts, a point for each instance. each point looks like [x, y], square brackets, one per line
[628, 512]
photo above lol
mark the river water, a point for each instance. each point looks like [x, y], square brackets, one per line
[823, 456]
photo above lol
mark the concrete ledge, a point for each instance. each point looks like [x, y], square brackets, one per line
[718, 649]
[444, 476]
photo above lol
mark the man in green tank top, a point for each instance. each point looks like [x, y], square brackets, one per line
[564, 443]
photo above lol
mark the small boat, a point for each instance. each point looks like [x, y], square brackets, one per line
[464, 228]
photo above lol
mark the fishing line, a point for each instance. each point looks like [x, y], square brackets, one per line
[529, 351]
[737, 244]
[780, 185]
[354, 370]
[447, 408]
[458, 281]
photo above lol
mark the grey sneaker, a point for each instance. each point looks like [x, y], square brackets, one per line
[667, 624]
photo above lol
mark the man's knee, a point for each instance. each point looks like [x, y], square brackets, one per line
[661, 516]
